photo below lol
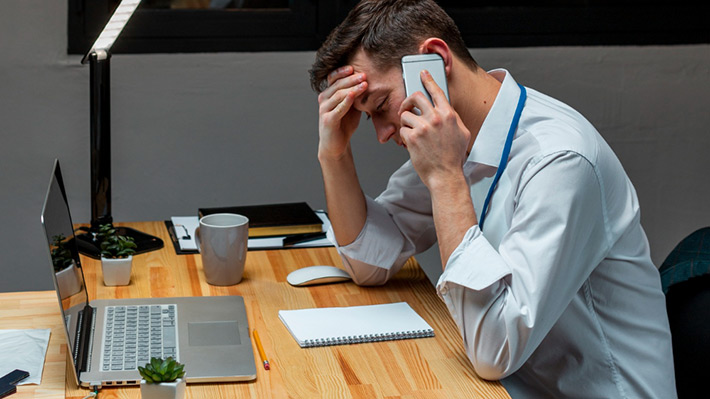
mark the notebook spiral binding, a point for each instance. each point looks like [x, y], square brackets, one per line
[357, 339]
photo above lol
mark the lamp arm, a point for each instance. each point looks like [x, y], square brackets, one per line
[100, 137]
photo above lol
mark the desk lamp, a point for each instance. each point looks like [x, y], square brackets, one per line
[99, 57]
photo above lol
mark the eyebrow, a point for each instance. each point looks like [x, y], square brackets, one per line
[368, 93]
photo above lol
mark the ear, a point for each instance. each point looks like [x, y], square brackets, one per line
[438, 46]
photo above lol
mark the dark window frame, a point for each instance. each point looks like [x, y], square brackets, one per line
[307, 23]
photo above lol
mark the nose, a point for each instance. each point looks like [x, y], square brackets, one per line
[383, 129]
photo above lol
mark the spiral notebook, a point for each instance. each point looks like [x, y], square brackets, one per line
[354, 324]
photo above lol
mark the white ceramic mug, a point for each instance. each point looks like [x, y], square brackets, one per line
[222, 241]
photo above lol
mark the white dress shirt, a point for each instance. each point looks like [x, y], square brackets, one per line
[557, 296]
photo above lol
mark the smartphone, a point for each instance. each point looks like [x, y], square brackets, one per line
[412, 65]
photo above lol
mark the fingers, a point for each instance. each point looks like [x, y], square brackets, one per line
[410, 120]
[419, 104]
[437, 95]
[338, 118]
[342, 100]
[417, 100]
[348, 98]
[339, 73]
[344, 87]
[420, 101]
[342, 78]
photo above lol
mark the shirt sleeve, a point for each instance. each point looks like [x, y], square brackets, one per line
[374, 256]
[399, 224]
[505, 300]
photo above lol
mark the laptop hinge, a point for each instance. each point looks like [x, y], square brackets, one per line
[83, 339]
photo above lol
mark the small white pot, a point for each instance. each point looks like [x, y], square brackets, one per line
[117, 271]
[164, 390]
[68, 281]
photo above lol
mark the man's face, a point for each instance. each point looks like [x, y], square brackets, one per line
[381, 101]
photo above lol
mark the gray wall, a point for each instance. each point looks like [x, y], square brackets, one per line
[193, 130]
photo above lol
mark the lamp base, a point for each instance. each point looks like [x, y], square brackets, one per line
[90, 246]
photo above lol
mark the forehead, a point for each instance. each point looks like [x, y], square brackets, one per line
[379, 80]
[362, 62]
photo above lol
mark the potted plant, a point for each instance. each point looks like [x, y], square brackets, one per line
[65, 268]
[162, 379]
[116, 255]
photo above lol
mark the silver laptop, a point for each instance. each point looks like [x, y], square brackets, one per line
[109, 339]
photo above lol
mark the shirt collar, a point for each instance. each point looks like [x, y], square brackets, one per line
[488, 147]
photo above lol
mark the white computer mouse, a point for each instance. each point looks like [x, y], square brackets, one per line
[313, 275]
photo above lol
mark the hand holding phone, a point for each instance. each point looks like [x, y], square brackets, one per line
[412, 65]
[436, 141]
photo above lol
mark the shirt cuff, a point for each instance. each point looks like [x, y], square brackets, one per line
[379, 242]
[474, 264]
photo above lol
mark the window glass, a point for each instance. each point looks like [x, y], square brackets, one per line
[213, 4]
[171, 26]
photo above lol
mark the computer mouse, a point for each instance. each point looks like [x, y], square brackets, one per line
[312, 275]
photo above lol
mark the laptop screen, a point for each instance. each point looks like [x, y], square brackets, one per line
[64, 260]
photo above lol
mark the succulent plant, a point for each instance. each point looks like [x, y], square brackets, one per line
[162, 370]
[114, 245]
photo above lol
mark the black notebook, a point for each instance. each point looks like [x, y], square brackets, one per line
[274, 219]
[354, 324]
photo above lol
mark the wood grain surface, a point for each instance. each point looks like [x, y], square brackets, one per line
[416, 368]
[38, 310]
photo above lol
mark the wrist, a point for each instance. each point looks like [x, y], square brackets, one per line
[326, 155]
[453, 213]
[447, 183]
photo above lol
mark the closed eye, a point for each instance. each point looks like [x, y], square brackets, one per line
[378, 109]
[382, 104]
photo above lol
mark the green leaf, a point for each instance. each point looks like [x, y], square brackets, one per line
[164, 367]
[152, 377]
[171, 367]
[145, 374]
[162, 370]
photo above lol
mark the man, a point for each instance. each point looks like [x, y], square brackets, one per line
[556, 294]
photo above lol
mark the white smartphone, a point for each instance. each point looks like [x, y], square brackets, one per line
[412, 65]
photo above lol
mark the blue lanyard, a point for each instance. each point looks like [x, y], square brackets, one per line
[506, 152]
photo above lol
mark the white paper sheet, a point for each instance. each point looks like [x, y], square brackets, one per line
[24, 350]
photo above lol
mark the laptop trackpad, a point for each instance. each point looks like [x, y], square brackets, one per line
[213, 333]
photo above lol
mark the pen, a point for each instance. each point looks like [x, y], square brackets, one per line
[261, 350]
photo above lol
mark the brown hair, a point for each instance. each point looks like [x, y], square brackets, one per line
[386, 30]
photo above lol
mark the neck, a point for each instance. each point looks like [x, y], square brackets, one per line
[472, 96]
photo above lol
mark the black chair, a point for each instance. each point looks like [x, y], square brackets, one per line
[685, 275]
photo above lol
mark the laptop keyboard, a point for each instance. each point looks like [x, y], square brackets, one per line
[134, 334]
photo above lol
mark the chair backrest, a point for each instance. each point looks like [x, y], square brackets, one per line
[690, 258]
[686, 282]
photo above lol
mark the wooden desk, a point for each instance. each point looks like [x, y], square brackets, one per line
[422, 368]
[26, 310]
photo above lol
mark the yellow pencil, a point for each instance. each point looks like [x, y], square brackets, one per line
[261, 350]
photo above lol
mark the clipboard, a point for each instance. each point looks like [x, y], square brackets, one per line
[176, 243]
[307, 240]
